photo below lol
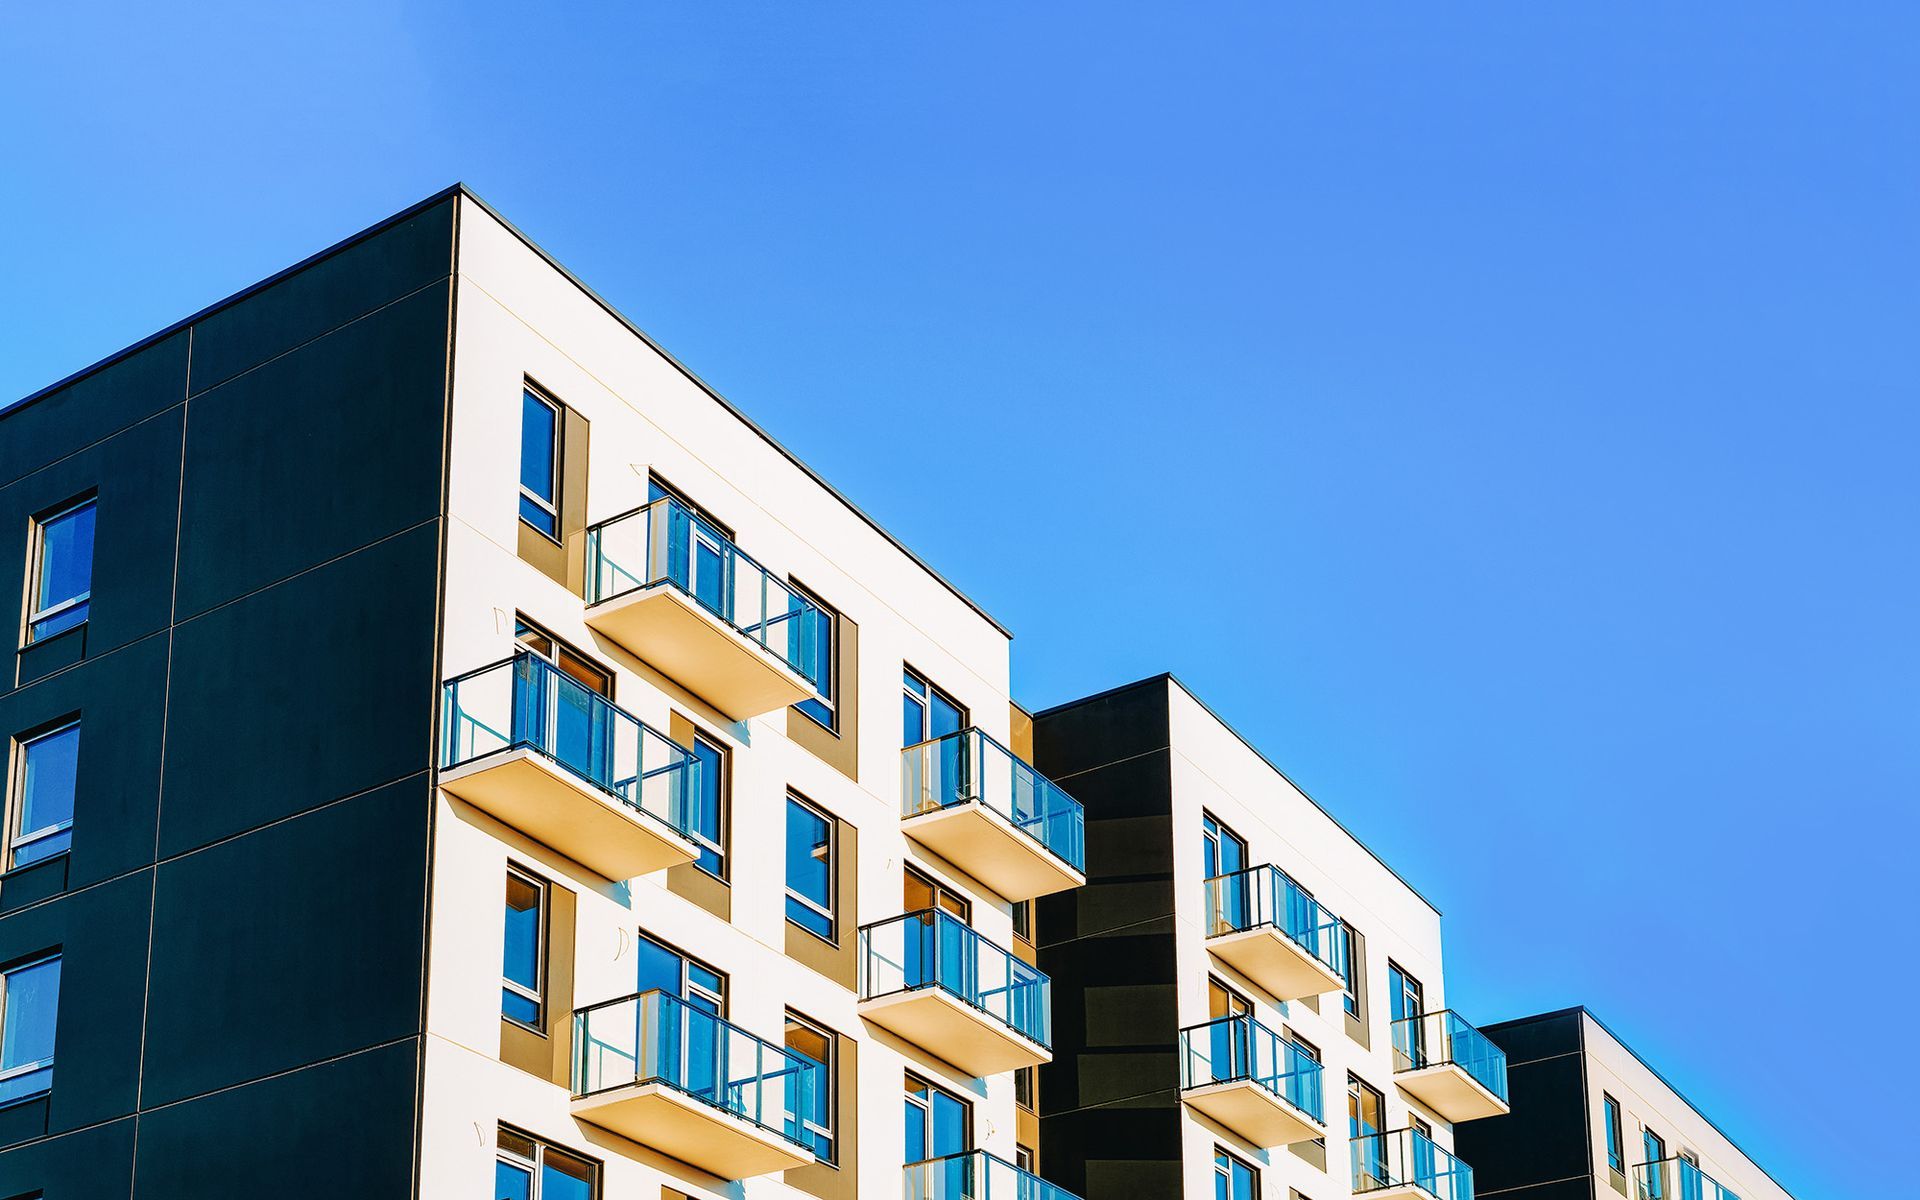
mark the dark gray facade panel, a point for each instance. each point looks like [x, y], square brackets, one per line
[323, 296]
[1089, 733]
[317, 688]
[95, 407]
[1544, 1139]
[119, 699]
[316, 454]
[93, 1164]
[101, 935]
[136, 474]
[339, 1129]
[293, 944]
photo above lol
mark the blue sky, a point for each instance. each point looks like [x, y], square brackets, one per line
[1503, 413]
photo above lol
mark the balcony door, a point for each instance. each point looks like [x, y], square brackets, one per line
[1425, 1162]
[1228, 1050]
[1365, 1116]
[938, 952]
[938, 1124]
[927, 713]
[700, 554]
[565, 711]
[691, 1038]
[1406, 999]
[1223, 853]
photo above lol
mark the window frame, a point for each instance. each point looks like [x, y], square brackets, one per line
[6, 1018]
[16, 797]
[831, 701]
[723, 805]
[924, 698]
[535, 1164]
[1026, 1089]
[562, 654]
[1350, 996]
[549, 505]
[1614, 1131]
[830, 910]
[1213, 834]
[926, 1108]
[939, 895]
[829, 1088]
[718, 995]
[37, 571]
[1224, 1160]
[542, 911]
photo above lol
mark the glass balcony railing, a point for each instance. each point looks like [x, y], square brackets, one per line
[1407, 1156]
[1267, 896]
[1677, 1179]
[665, 542]
[1436, 1038]
[657, 1038]
[934, 949]
[525, 702]
[976, 1175]
[969, 766]
[1230, 1049]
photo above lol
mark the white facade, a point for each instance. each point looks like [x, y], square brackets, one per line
[520, 319]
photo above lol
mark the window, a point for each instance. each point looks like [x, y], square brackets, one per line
[810, 868]
[938, 1123]
[1233, 1179]
[1366, 1110]
[920, 892]
[29, 1004]
[1023, 920]
[540, 463]
[709, 816]
[522, 974]
[816, 652]
[1350, 995]
[1404, 1001]
[40, 816]
[572, 663]
[1025, 1158]
[662, 968]
[525, 1168]
[816, 1045]
[62, 580]
[926, 711]
[1656, 1149]
[1616, 1145]
[1224, 851]
[1026, 1081]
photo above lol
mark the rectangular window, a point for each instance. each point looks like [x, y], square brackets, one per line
[1233, 1179]
[575, 665]
[522, 972]
[1350, 996]
[1616, 1144]
[1223, 850]
[1366, 1109]
[816, 1045]
[40, 807]
[61, 584]
[920, 892]
[1025, 1087]
[938, 1123]
[926, 711]
[1023, 920]
[1026, 1158]
[1405, 998]
[540, 463]
[810, 868]
[29, 1004]
[526, 1168]
[1655, 1150]
[662, 968]
[817, 654]
[709, 816]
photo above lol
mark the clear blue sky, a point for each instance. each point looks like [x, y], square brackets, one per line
[1504, 413]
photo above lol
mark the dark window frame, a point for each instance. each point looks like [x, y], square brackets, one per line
[831, 910]
[548, 504]
[543, 914]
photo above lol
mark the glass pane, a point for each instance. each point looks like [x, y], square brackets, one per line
[511, 1182]
[809, 856]
[512, 1143]
[949, 1125]
[944, 717]
[660, 968]
[522, 959]
[913, 721]
[66, 557]
[916, 1131]
[538, 441]
[705, 819]
[47, 780]
[26, 1025]
[562, 1178]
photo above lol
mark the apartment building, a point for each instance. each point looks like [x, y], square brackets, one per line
[1592, 1120]
[453, 753]
[1258, 1003]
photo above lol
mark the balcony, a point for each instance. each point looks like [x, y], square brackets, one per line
[530, 746]
[1677, 1179]
[674, 591]
[1450, 1066]
[968, 799]
[1267, 927]
[658, 1071]
[976, 1175]
[1240, 1074]
[1406, 1163]
[932, 980]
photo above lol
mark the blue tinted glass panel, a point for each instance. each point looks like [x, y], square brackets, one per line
[660, 968]
[27, 1027]
[48, 771]
[705, 825]
[949, 1125]
[512, 1182]
[565, 1180]
[809, 868]
[521, 963]
[539, 438]
[65, 571]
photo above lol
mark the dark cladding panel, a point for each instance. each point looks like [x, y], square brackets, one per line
[95, 407]
[315, 689]
[93, 1164]
[316, 454]
[324, 296]
[340, 1129]
[1107, 728]
[293, 944]
[1544, 1140]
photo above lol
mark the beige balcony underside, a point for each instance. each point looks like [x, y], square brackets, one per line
[1398, 1191]
[553, 806]
[1253, 1112]
[1275, 962]
[698, 650]
[987, 846]
[1451, 1092]
[681, 1127]
[951, 1029]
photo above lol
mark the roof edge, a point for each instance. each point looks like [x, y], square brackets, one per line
[1169, 677]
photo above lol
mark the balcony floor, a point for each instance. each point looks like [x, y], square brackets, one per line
[698, 650]
[1252, 1112]
[677, 1125]
[1275, 962]
[951, 1029]
[1450, 1091]
[552, 805]
[988, 846]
